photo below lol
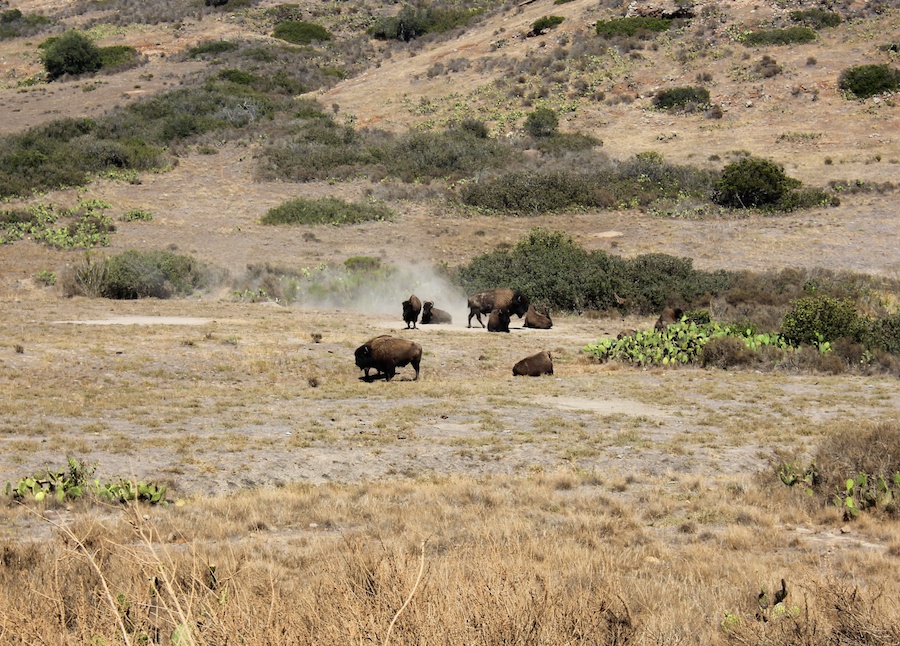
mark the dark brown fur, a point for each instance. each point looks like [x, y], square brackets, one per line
[498, 321]
[431, 315]
[514, 302]
[411, 309]
[625, 333]
[536, 319]
[534, 366]
[669, 315]
[386, 353]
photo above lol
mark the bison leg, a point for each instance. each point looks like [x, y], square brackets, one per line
[477, 315]
[415, 365]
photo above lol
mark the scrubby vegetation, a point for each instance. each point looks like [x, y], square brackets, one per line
[856, 469]
[544, 24]
[301, 32]
[816, 18]
[863, 81]
[688, 99]
[71, 53]
[82, 227]
[15, 24]
[752, 182]
[788, 36]
[327, 210]
[413, 21]
[136, 274]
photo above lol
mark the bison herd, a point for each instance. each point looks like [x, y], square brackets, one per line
[386, 353]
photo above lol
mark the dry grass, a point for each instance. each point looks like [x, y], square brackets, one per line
[538, 559]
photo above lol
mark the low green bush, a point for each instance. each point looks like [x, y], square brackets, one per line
[211, 48]
[71, 53]
[413, 22]
[560, 143]
[689, 99]
[631, 26]
[543, 122]
[118, 58]
[551, 269]
[884, 333]
[327, 210]
[15, 24]
[544, 23]
[752, 182]
[816, 17]
[788, 36]
[816, 320]
[863, 81]
[300, 32]
[152, 274]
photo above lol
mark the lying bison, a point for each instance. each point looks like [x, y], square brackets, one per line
[386, 353]
[536, 319]
[513, 301]
[411, 309]
[625, 333]
[534, 366]
[498, 321]
[431, 315]
[669, 315]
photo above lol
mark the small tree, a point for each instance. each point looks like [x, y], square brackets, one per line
[71, 53]
[543, 122]
[753, 182]
[864, 81]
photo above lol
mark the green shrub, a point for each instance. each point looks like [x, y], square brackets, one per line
[631, 26]
[816, 18]
[551, 269]
[118, 58]
[211, 48]
[753, 183]
[561, 143]
[543, 122]
[544, 23]
[789, 36]
[71, 53]
[529, 192]
[326, 210]
[15, 24]
[301, 32]
[864, 81]
[821, 319]
[454, 153]
[689, 99]
[884, 334]
[411, 22]
[152, 274]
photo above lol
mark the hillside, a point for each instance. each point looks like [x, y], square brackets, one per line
[748, 496]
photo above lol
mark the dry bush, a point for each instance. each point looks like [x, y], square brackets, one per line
[867, 449]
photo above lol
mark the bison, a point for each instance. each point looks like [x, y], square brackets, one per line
[432, 315]
[625, 333]
[386, 353]
[411, 309]
[537, 320]
[534, 366]
[498, 321]
[513, 301]
[669, 315]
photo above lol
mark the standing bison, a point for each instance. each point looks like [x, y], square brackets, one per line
[513, 301]
[534, 366]
[411, 309]
[386, 353]
[669, 315]
[498, 321]
[431, 315]
[536, 319]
